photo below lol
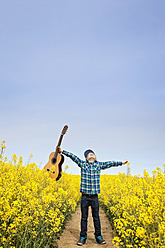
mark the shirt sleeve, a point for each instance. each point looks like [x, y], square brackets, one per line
[108, 164]
[77, 160]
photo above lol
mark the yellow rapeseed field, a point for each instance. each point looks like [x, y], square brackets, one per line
[33, 207]
[135, 207]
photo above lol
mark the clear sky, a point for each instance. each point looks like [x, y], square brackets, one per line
[97, 66]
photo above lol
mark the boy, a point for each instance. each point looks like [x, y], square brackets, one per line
[90, 188]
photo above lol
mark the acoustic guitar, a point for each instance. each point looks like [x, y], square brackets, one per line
[56, 160]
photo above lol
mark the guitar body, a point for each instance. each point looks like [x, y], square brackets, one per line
[54, 165]
[56, 172]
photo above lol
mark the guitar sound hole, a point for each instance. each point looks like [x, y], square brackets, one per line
[53, 160]
[53, 172]
[48, 170]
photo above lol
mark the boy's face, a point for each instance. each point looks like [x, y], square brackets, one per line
[91, 157]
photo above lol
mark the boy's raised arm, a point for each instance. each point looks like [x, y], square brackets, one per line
[77, 160]
[108, 164]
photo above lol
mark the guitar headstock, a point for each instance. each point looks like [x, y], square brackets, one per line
[64, 129]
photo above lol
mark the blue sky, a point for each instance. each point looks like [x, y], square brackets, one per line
[97, 66]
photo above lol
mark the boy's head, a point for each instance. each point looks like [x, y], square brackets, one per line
[90, 156]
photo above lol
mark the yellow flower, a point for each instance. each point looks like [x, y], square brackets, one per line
[33, 203]
[135, 206]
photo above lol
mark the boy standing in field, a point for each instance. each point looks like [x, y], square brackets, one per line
[90, 188]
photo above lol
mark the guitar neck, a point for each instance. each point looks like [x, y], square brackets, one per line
[60, 140]
[59, 143]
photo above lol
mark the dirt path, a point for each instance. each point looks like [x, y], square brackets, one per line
[71, 232]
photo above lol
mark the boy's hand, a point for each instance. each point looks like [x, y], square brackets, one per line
[125, 161]
[59, 149]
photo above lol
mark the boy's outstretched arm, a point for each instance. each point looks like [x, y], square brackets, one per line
[77, 160]
[125, 161]
[108, 164]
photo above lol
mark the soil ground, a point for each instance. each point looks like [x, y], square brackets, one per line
[71, 233]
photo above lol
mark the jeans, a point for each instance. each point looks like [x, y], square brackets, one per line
[86, 201]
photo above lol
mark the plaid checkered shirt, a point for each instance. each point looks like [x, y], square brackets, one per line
[90, 173]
